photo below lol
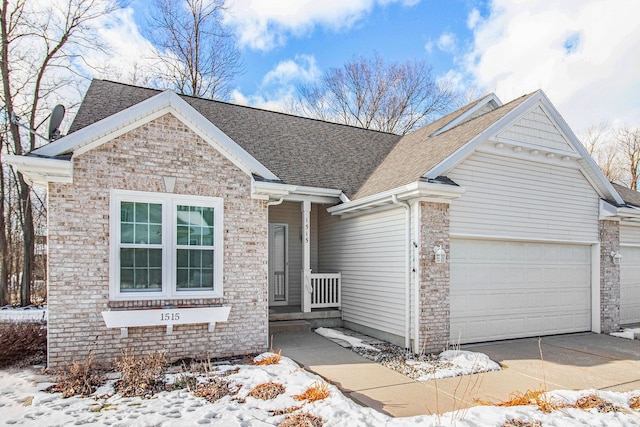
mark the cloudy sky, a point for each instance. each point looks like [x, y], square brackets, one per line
[582, 53]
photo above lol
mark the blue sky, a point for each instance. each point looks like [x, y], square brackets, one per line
[582, 53]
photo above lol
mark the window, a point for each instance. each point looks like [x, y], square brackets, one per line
[165, 246]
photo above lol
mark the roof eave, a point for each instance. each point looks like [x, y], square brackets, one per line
[41, 171]
[415, 190]
[277, 191]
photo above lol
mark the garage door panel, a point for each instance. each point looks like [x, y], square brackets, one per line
[503, 290]
[630, 285]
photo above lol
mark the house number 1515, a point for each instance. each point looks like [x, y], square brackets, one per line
[169, 316]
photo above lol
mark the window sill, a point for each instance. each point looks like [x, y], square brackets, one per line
[168, 317]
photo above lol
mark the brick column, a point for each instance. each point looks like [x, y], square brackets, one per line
[609, 277]
[434, 278]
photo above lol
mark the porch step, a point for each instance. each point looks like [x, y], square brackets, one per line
[280, 326]
[296, 315]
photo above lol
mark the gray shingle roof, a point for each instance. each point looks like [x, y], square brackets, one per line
[310, 152]
[630, 197]
[418, 152]
[298, 150]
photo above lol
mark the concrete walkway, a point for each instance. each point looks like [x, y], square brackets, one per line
[576, 361]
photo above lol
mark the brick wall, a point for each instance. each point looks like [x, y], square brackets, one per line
[434, 278]
[78, 225]
[609, 277]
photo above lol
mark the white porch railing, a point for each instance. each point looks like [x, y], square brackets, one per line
[326, 290]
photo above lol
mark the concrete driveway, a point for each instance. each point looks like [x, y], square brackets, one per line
[575, 361]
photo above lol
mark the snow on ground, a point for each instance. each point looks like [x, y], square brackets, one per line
[461, 362]
[23, 314]
[23, 402]
[628, 333]
[353, 341]
[450, 363]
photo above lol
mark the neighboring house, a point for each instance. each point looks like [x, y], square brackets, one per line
[177, 223]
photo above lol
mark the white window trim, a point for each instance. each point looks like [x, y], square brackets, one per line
[169, 237]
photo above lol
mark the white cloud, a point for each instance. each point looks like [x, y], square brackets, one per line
[263, 25]
[129, 57]
[447, 42]
[277, 89]
[301, 69]
[473, 19]
[583, 54]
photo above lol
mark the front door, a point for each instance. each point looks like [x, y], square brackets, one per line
[278, 264]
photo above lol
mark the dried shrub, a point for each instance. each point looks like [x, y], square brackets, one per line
[22, 343]
[285, 411]
[78, 379]
[272, 359]
[184, 380]
[593, 401]
[302, 419]
[216, 388]
[519, 423]
[317, 391]
[537, 398]
[634, 402]
[267, 391]
[141, 376]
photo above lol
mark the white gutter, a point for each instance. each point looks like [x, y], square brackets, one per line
[42, 170]
[410, 191]
[269, 190]
[407, 270]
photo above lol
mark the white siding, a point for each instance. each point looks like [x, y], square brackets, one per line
[291, 213]
[521, 198]
[630, 234]
[537, 128]
[630, 274]
[369, 251]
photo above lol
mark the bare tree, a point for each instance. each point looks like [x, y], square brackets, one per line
[604, 149]
[199, 53]
[374, 94]
[40, 41]
[629, 145]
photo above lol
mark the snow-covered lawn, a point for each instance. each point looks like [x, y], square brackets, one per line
[23, 401]
[23, 314]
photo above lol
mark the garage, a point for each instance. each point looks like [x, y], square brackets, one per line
[513, 289]
[629, 284]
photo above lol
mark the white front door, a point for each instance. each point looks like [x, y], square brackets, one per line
[278, 264]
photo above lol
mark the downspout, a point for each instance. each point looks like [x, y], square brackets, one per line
[407, 262]
[275, 202]
[416, 279]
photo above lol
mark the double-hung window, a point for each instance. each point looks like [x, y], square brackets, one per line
[165, 246]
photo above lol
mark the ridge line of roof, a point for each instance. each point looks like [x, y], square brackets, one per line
[251, 107]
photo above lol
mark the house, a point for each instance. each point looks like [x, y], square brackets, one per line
[177, 223]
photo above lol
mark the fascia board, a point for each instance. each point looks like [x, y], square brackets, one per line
[111, 127]
[42, 170]
[414, 190]
[466, 150]
[471, 111]
[295, 192]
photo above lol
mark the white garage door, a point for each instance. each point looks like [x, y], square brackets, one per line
[502, 290]
[630, 285]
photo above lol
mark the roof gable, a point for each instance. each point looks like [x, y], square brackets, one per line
[147, 110]
[536, 127]
[426, 148]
